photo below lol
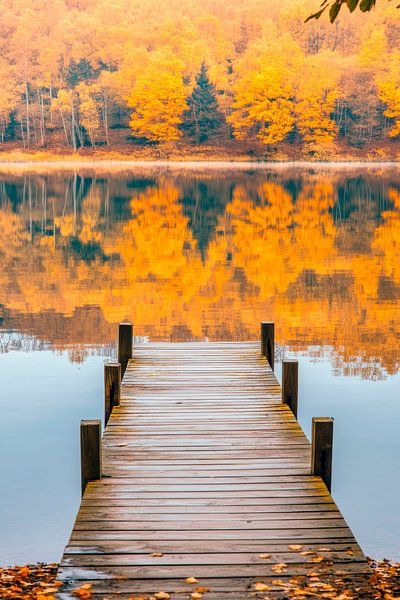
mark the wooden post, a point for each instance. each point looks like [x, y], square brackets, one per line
[90, 451]
[112, 388]
[290, 384]
[125, 345]
[321, 450]
[268, 342]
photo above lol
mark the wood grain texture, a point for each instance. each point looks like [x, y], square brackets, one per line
[204, 470]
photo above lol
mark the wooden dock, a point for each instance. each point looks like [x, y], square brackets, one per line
[206, 475]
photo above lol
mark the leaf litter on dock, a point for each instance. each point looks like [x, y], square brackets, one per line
[39, 582]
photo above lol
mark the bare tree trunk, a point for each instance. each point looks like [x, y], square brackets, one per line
[27, 114]
[34, 129]
[73, 135]
[105, 116]
[23, 133]
[41, 112]
[64, 126]
[51, 101]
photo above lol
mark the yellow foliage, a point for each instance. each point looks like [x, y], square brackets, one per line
[264, 103]
[159, 100]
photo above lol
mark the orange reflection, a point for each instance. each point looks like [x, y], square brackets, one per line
[208, 256]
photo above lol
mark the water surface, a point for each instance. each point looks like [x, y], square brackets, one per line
[196, 255]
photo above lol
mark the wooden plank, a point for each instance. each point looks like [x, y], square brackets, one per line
[204, 469]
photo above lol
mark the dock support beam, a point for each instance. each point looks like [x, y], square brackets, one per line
[112, 388]
[290, 384]
[268, 342]
[321, 449]
[125, 344]
[90, 451]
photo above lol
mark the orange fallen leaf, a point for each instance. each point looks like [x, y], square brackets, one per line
[281, 583]
[196, 595]
[191, 580]
[202, 589]
[82, 594]
[295, 547]
[259, 586]
[317, 559]
[264, 556]
[162, 596]
[156, 554]
[279, 568]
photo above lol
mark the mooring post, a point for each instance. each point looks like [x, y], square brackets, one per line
[321, 449]
[112, 388]
[290, 384]
[268, 342]
[125, 345]
[90, 451]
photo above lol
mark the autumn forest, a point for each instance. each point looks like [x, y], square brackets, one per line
[251, 77]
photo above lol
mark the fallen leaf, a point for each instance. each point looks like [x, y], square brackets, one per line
[279, 568]
[191, 580]
[259, 586]
[281, 583]
[196, 595]
[202, 589]
[295, 547]
[162, 596]
[317, 559]
[264, 556]
[156, 554]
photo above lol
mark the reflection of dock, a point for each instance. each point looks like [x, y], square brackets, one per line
[206, 475]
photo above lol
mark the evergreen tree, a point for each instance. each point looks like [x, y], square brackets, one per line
[203, 116]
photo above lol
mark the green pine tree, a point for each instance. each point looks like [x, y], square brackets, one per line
[203, 116]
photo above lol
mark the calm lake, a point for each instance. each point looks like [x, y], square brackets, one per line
[200, 254]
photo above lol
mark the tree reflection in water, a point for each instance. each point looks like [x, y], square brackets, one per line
[190, 256]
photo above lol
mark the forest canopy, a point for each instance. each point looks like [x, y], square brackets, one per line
[102, 72]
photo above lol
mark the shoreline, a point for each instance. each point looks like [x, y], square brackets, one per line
[72, 164]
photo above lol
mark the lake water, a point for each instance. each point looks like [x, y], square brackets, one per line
[197, 254]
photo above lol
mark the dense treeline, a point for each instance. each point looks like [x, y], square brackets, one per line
[198, 70]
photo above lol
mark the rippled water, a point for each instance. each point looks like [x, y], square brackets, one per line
[197, 255]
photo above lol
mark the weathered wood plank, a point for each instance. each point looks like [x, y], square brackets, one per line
[204, 469]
